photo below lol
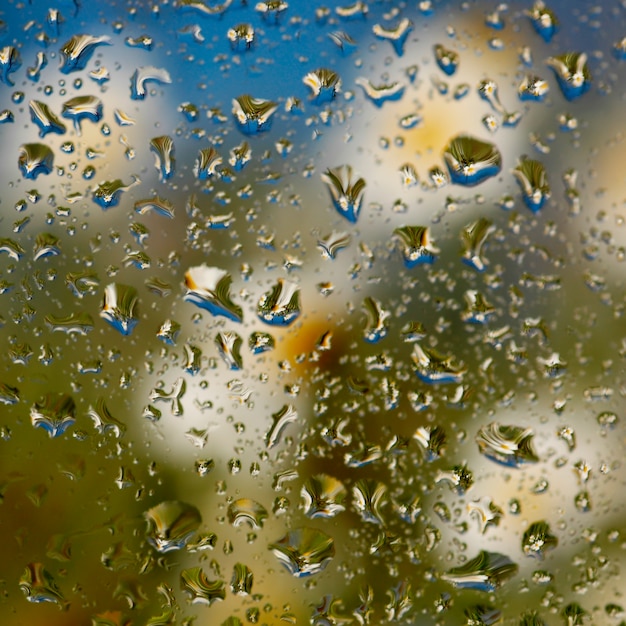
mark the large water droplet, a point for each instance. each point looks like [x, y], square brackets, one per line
[533, 181]
[35, 159]
[199, 588]
[209, 289]
[508, 445]
[253, 115]
[281, 305]
[82, 108]
[163, 148]
[77, 51]
[171, 525]
[433, 367]
[323, 496]
[470, 161]
[248, 512]
[39, 586]
[486, 572]
[347, 196]
[537, 540]
[45, 119]
[120, 307]
[304, 551]
[572, 73]
[55, 413]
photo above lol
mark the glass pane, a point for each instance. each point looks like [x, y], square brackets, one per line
[312, 313]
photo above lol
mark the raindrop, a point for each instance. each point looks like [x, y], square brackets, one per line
[543, 20]
[35, 159]
[376, 326]
[163, 148]
[253, 115]
[55, 413]
[229, 345]
[77, 51]
[45, 119]
[39, 586]
[171, 525]
[447, 60]
[416, 244]
[486, 572]
[82, 108]
[347, 196]
[119, 308]
[242, 579]
[248, 512]
[281, 305]
[323, 496]
[537, 540]
[532, 179]
[304, 551]
[473, 237]
[209, 289]
[471, 161]
[10, 61]
[199, 588]
[324, 84]
[147, 74]
[572, 73]
[507, 445]
[379, 94]
[433, 367]
[397, 35]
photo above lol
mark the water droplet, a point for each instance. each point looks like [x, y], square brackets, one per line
[417, 246]
[10, 61]
[39, 586]
[253, 115]
[206, 164]
[486, 512]
[119, 308]
[103, 421]
[107, 194]
[433, 367]
[144, 42]
[147, 74]
[156, 205]
[376, 325]
[8, 394]
[543, 20]
[281, 305]
[163, 148]
[241, 36]
[280, 420]
[171, 525]
[35, 159]
[346, 195]
[199, 588]
[209, 289]
[45, 119]
[507, 445]
[242, 579]
[533, 88]
[397, 35]
[486, 572]
[323, 496]
[229, 345]
[77, 51]
[473, 237]
[76, 323]
[572, 73]
[379, 94]
[248, 512]
[471, 161]
[55, 413]
[324, 84]
[537, 540]
[532, 178]
[82, 108]
[304, 551]
[12, 248]
[447, 60]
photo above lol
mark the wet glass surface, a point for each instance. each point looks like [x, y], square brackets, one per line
[312, 312]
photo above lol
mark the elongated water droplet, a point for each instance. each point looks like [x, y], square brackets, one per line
[280, 420]
[77, 51]
[82, 108]
[533, 181]
[473, 237]
[543, 20]
[103, 421]
[376, 326]
[45, 119]
[396, 36]
[229, 345]
[379, 94]
[74, 324]
[447, 60]
[486, 572]
[107, 193]
[304, 551]
[433, 367]
[507, 445]
[163, 148]
[120, 307]
[147, 74]
[242, 579]
[346, 194]
[207, 162]
[10, 61]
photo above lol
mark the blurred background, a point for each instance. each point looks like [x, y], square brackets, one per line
[395, 398]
